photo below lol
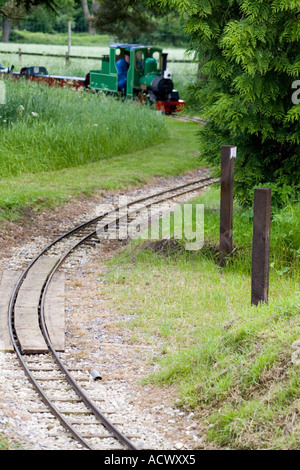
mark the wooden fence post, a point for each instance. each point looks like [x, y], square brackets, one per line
[228, 154]
[69, 44]
[20, 55]
[261, 245]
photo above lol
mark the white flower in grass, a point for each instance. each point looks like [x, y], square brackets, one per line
[20, 110]
[34, 114]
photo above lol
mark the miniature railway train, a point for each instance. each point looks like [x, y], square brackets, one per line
[148, 78]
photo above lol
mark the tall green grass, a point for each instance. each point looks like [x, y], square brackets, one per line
[35, 191]
[47, 129]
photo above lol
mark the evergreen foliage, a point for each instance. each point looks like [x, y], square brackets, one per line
[249, 57]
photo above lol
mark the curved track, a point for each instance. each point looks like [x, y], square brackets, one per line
[65, 245]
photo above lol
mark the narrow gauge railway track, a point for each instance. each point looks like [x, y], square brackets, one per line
[63, 246]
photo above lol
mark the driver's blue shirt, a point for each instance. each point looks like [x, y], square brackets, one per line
[122, 67]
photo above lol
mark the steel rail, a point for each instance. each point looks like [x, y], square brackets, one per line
[89, 403]
[97, 413]
[65, 423]
[63, 369]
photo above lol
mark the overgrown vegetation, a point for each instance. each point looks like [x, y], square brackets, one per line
[48, 129]
[235, 365]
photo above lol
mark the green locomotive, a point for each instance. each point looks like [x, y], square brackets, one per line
[147, 76]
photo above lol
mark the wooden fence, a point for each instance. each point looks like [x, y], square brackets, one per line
[67, 56]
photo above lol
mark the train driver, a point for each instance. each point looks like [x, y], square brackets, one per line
[122, 67]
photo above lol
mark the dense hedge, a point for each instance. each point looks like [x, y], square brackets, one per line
[249, 57]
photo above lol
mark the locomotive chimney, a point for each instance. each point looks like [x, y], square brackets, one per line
[164, 56]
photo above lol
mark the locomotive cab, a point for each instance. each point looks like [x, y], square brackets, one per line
[144, 66]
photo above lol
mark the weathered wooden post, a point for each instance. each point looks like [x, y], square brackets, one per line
[68, 53]
[228, 154]
[20, 55]
[261, 245]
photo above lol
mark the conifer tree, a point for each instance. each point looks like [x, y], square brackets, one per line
[249, 56]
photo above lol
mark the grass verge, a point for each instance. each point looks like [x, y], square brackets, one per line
[176, 154]
[235, 365]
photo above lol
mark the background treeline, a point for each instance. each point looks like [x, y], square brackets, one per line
[136, 23]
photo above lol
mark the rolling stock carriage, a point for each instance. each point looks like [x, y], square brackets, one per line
[148, 78]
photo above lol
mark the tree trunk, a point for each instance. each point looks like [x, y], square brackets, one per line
[6, 29]
[91, 29]
[85, 9]
[95, 7]
[87, 16]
